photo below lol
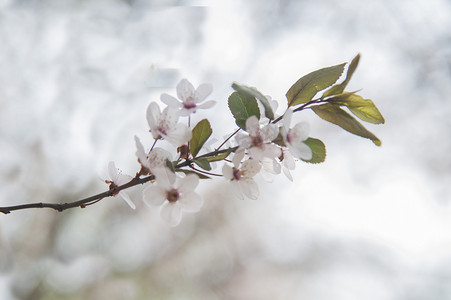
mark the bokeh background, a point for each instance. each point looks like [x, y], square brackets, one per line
[370, 223]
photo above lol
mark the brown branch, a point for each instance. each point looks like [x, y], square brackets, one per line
[96, 198]
[80, 203]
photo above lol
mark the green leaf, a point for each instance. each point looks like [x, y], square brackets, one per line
[364, 109]
[306, 87]
[203, 163]
[334, 114]
[201, 132]
[200, 175]
[339, 88]
[318, 150]
[242, 107]
[253, 92]
[220, 156]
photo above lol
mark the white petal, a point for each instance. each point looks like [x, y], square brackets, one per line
[301, 131]
[170, 101]
[154, 195]
[227, 171]
[238, 157]
[186, 112]
[153, 114]
[203, 91]
[185, 89]
[112, 171]
[170, 116]
[141, 154]
[301, 151]
[271, 165]
[188, 183]
[250, 168]
[256, 153]
[286, 120]
[288, 160]
[271, 151]
[127, 199]
[164, 177]
[191, 202]
[287, 174]
[122, 179]
[249, 188]
[157, 158]
[179, 135]
[252, 126]
[171, 213]
[207, 104]
[269, 132]
[267, 176]
[244, 140]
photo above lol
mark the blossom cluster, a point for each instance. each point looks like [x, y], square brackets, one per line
[263, 144]
[263, 148]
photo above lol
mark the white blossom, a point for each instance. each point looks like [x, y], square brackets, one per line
[156, 159]
[116, 179]
[173, 195]
[163, 125]
[190, 98]
[259, 141]
[294, 137]
[242, 177]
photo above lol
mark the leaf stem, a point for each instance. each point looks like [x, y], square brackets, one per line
[204, 172]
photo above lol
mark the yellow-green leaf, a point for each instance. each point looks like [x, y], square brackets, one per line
[242, 107]
[334, 114]
[253, 92]
[362, 108]
[307, 86]
[203, 163]
[201, 132]
[318, 150]
[219, 156]
[339, 88]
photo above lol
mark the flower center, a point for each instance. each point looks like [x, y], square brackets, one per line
[257, 141]
[172, 195]
[290, 137]
[163, 127]
[189, 103]
[236, 174]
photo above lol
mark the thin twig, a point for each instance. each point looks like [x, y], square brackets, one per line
[225, 141]
[80, 203]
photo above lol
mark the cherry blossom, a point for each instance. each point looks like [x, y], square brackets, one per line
[117, 179]
[190, 98]
[163, 125]
[242, 177]
[156, 159]
[259, 140]
[294, 137]
[174, 195]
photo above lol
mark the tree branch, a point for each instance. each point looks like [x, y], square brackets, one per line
[80, 203]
